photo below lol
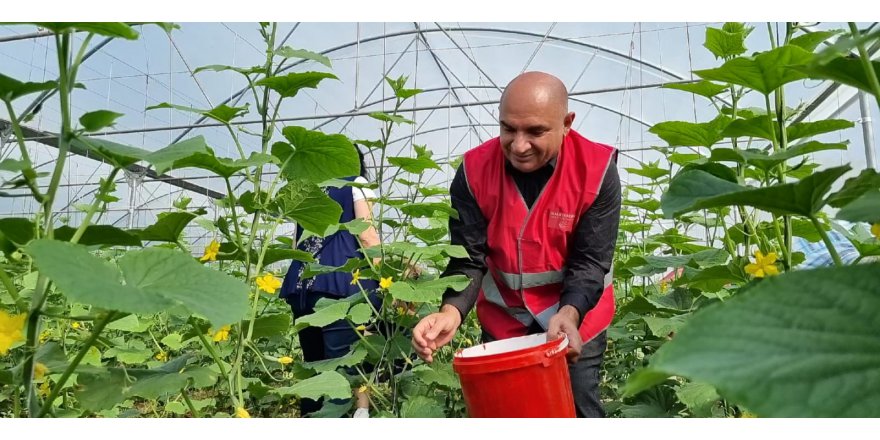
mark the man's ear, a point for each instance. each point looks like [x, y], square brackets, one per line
[566, 123]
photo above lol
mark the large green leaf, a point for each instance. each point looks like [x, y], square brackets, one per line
[696, 395]
[697, 189]
[15, 232]
[288, 85]
[168, 227]
[782, 353]
[437, 373]
[155, 280]
[119, 155]
[289, 52]
[729, 41]
[863, 209]
[810, 41]
[844, 70]
[355, 357]
[306, 204]
[689, 134]
[84, 278]
[422, 407]
[853, 188]
[651, 170]
[427, 291]
[219, 297]
[765, 72]
[328, 383]
[104, 235]
[195, 153]
[12, 89]
[806, 129]
[416, 165]
[759, 127]
[316, 156]
[270, 325]
[767, 162]
[120, 30]
[388, 117]
[324, 316]
[702, 88]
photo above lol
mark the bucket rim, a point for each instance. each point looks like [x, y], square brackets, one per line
[549, 348]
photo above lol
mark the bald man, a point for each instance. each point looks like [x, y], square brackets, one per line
[539, 208]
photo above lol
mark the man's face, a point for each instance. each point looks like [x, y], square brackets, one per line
[532, 131]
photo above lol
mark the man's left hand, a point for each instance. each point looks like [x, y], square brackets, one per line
[565, 321]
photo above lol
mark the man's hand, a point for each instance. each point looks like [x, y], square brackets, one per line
[435, 331]
[565, 321]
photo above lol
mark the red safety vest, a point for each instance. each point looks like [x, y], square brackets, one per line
[528, 248]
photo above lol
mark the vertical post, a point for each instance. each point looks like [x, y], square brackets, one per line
[867, 131]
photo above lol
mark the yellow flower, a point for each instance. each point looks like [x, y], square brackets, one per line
[385, 282]
[45, 335]
[763, 265]
[284, 360]
[268, 283]
[355, 276]
[242, 413]
[161, 356]
[875, 229]
[222, 334]
[10, 330]
[75, 325]
[664, 286]
[44, 389]
[211, 251]
[400, 311]
[361, 328]
[362, 389]
[40, 370]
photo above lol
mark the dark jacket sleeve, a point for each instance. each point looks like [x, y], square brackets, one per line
[592, 249]
[469, 230]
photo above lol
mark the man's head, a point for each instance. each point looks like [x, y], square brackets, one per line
[534, 119]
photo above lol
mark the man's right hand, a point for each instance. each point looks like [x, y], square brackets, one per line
[435, 331]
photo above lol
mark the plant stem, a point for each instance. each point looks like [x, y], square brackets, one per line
[189, 403]
[96, 331]
[10, 287]
[106, 186]
[827, 241]
[29, 175]
[867, 65]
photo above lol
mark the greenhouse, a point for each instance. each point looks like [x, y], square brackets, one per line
[280, 220]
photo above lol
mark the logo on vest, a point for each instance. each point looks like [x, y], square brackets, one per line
[561, 220]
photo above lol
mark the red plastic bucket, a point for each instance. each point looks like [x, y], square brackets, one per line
[525, 376]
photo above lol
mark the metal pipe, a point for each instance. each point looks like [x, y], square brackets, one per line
[867, 131]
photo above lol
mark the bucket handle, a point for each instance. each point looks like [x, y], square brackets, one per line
[554, 351]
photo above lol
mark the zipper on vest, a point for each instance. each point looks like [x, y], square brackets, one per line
[522, 231]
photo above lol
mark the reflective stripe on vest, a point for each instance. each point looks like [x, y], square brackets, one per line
[493, 295]
[544, 317]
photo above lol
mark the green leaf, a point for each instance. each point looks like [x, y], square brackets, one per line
[689, 134]
[427, 291]
[155, 280]
[683, 159]
[119, 155]
[662, 327]
[329, 383]
[650, 170]
[728, 41]
[386, 117]
[103, 235]
[767, 162]
[428, 209]
[219, 297]
[129, 323]
[173, 341]
[222, 113]
[288, 85]
[288, 52]
[167, 228]
[327, 315]
[695, 395]
[355, 357]
[697, 189]
[416, 165]
[812, 40]
[317, 156]
[12, 89]
[711, 279]
[223, 68]
[702, 88]
[759, 127]
[96, 120]
[806, 129]
[844, 70]
[863, 209]
[117, 30]
[437, 374]
[422, 407]
[15, 232]
[270, 325]
[643, 379]
[360, 313]
[306, 204]
[195, 153]
[785, 354]
[765, 72]
[853, 188]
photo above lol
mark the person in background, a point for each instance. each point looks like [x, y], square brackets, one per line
[539, 208]
[333, 340]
